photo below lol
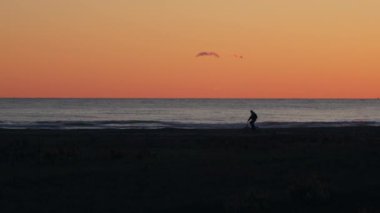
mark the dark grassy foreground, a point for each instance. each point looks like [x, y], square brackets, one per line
[271, 170]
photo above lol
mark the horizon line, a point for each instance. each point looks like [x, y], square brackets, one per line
[314, 98]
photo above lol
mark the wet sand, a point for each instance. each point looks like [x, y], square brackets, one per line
[170, 170]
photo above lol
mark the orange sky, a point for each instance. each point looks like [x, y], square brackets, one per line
[147, 48]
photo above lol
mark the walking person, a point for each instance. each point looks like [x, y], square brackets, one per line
[252, 119]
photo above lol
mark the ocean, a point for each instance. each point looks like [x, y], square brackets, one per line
[185, 113]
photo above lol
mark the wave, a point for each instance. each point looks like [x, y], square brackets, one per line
[150, 124]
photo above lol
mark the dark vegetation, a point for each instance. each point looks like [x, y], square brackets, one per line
[271, 170]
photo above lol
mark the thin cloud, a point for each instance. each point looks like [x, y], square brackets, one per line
[238, 56]
[214, 54]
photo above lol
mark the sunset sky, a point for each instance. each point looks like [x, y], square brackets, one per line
[148, 48]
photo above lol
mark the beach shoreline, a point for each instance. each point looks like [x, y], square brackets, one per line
[269, 170]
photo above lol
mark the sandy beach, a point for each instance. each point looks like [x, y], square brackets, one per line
[172, 170]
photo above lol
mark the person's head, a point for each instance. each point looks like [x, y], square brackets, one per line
[251, 111]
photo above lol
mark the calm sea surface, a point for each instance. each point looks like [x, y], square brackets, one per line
[184, 113]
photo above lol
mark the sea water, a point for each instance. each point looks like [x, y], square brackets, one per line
[185, 113]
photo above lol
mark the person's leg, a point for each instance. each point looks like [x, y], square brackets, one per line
[253, 127]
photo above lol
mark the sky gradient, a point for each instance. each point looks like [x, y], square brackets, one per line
[148, 48]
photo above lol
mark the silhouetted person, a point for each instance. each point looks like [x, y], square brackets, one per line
[252, 119]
